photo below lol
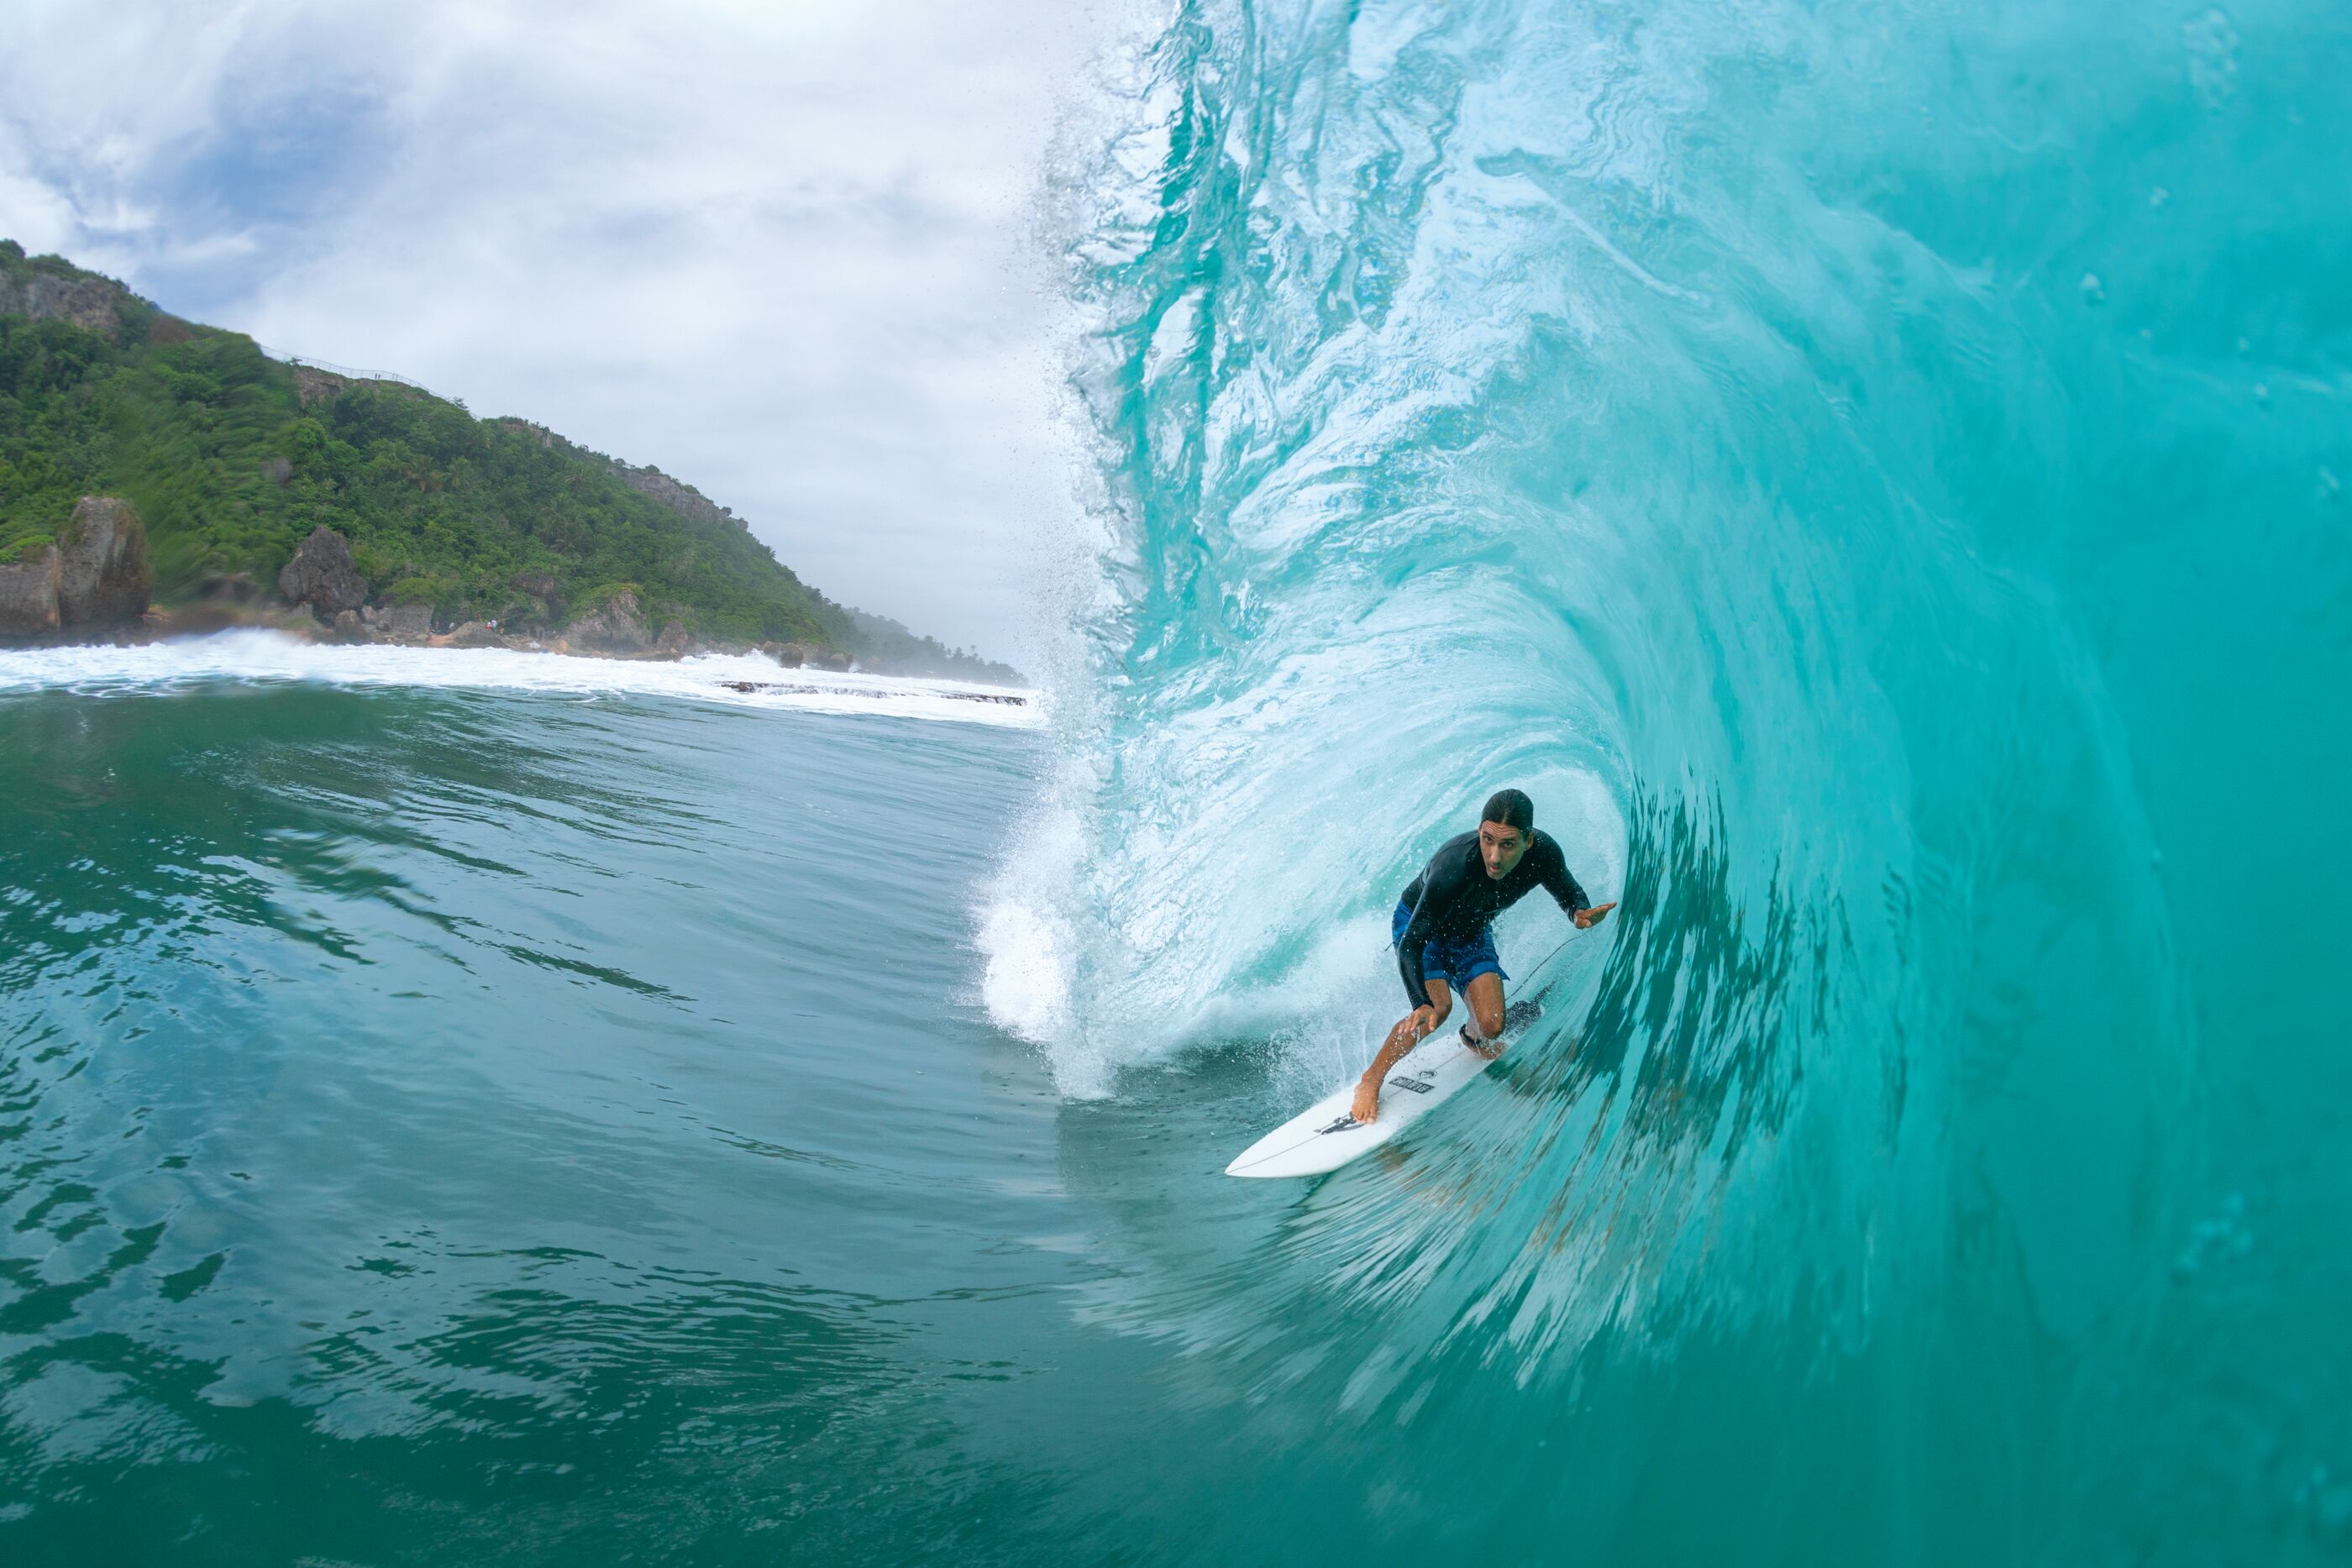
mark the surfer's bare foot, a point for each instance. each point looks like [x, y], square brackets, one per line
[1367, 1107]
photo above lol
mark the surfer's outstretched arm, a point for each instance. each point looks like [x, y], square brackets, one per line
[1551, 870]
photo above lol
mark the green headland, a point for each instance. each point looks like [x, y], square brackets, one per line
[232, 460]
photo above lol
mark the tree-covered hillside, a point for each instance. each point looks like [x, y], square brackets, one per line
[233, 458]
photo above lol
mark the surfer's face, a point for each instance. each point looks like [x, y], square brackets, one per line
[1501, 847]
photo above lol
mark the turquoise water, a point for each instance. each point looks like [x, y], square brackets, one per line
[1874, 476]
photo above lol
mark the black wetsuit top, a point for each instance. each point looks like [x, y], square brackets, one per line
[1454, 897]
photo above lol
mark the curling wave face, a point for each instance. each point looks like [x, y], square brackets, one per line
[1792, 446]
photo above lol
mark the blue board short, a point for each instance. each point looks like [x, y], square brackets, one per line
[1455, 963]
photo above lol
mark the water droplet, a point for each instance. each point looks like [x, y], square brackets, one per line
[2330, 487]
[2220, 1239]
[2158, 197]
[2212, 47]
[2262, 392]
[2094, 291]
[2245, 345]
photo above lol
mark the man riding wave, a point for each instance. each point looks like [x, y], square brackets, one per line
[1444, 929]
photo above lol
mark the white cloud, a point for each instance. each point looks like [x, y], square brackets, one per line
[778, 251]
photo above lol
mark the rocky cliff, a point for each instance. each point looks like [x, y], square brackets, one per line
[28, 595]
[679, 496]
[92, 303]
[94, 577]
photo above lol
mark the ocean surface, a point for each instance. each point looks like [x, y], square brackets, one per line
[1873, 473]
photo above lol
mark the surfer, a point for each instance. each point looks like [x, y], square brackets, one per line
[1444, 934]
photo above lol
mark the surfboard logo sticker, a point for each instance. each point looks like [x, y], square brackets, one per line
[1418, 1085]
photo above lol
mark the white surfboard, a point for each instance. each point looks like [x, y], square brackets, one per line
[1325, 1135]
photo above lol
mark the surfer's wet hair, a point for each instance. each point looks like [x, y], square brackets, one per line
[1512, 808]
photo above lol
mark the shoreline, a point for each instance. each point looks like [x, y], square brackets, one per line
[146, 660]
[188, 623]
[94, 586]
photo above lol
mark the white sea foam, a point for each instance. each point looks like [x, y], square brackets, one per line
[749, 680]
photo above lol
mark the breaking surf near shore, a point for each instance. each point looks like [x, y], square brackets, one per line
[742, 680]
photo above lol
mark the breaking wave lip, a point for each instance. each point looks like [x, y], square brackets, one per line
[735, 680]
[1400, 495]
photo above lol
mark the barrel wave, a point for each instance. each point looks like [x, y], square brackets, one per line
[1873, 473]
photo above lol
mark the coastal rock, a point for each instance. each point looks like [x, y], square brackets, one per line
[674, 640]
[348, 628]
[791, 655]
[103, 575]
[322, 574]
[618, 628]
[542, 599]
[92, 304]
[833, 659]
[682, 498]
[476, 634]
[405, 620]
[547, 439]
[316, 386]
[29, 596]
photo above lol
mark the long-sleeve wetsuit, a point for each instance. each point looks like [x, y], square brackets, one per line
[1454, 897]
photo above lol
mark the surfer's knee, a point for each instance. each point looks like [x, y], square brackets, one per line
[1484, 995]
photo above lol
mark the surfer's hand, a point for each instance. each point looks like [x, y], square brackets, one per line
[1367, 1107]
[1423, 1023]
[1586, 919]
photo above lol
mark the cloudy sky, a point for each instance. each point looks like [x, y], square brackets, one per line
[790, 253]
